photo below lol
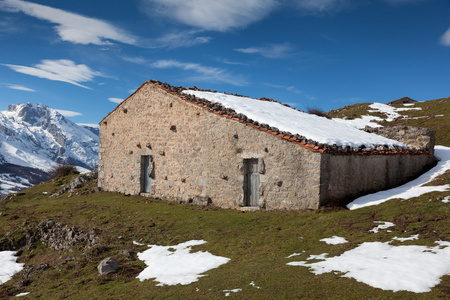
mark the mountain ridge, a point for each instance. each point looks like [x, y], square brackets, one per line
[36, 138]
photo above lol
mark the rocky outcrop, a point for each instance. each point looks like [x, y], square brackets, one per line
[77, 183]
[415, 137]
[60, 236]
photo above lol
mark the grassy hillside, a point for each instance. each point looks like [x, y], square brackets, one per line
[256, 242]
[434, 114]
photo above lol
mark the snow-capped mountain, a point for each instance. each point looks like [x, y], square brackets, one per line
[34, 138]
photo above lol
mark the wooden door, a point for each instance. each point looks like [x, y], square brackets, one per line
[251, 182]
[146, 172]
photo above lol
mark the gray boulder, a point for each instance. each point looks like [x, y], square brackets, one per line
[108, 265]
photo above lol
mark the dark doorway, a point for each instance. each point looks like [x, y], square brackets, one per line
[251, 182]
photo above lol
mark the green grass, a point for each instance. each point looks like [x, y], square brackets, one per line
[256, 242]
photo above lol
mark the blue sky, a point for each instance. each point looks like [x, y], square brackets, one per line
[84, 56]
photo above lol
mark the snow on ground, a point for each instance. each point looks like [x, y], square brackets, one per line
[254, 285]
[22, 294]
[413, 188]
[384, 225]
[173, 265]
[446, 199]
[8, 265]
[368, 120]
[390, 111]
[319, 129]
[228, 292]
[295, 254]
[411, 238]
[335, 240]
[397, 268]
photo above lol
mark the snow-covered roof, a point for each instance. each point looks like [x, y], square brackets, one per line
[287, 119]
[312, 132]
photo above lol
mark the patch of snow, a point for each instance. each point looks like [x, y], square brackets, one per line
[228, 292]
[22, 294]
[396, 268]
[173, 265]
[408, 104]
[254, 285]
[8, 265]
[368, 120]
[411, 238]
[335, 240]
[295, 254]
[319, 256]
[390, 111]
[138, 244]
[284, 118]
[446, 199]
[413, 188]
[362, 122]
[384, 225]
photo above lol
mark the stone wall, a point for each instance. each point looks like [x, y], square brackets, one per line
[153, 122]
[415, 137]
[290, 177]
[200, 155]
[346, 177]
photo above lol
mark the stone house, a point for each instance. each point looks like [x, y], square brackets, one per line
[172, 145]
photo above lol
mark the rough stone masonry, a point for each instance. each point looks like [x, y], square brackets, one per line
[163, 144]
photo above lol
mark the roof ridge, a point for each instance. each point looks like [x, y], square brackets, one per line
[306, 143]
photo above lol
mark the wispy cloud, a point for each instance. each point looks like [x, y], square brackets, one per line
[72, 27]
[59, 70]
[176, 40]
[19, 87]
[319, 6]
[115, 100]
[445, 38]
[292, 89]
[203, 73]
[68, 113]
[217, 15]
[269, 50]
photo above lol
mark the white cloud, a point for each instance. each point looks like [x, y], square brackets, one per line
[217, 15]
[115, 100]
[71, 27]
[445, 38]
[317, 6]
[176, 40]
[59, 70]
[19, 87]
[204, 73]
[89, 125]
[269, 51]
[68, 113]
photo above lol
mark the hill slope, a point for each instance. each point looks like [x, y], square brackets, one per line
[433, 114]
[273, 255]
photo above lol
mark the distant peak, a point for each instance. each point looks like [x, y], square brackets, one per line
[402, 100]
[31, 113]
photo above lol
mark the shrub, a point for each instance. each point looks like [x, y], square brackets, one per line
[61, 170]
[313, 110]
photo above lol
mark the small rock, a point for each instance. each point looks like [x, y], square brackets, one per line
[108, 265]
[127, 253]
